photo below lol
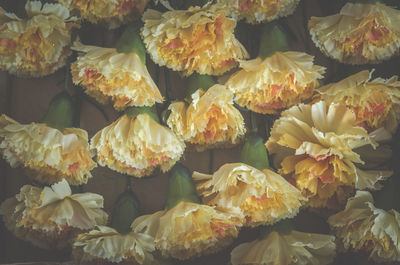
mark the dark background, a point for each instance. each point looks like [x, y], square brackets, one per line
[26, 100]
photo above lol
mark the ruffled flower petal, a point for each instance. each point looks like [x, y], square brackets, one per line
[315, 143]
[194, 40]
[105, 244]
[281, 249]
[48, 154]
[136, 146]
[38, 45]
[209, 121]
[376, 103]
[363, 227]
[52, 217]
[261, 197]
[359, 34]
[114, 12]
[275, 83]
[189, 230]
[109, 75]
[259, 11]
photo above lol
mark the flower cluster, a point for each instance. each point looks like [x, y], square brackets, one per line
[48, 154]
[36, 46]
[359, 34]
[195, 40]
[114, 13]
[52, 217]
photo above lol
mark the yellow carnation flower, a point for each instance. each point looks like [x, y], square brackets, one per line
[275, 83]
[363, 227]
[315, 143]
[359, 34]
[286, 249]
[52, 217]
[258, 11]
[261, 197]
[104, 244]
[197, 39]
[209, 121]
[48, 154]
[136, 146]
[114, 13]
[36, 46]
[107, 74]
[189, 230]
[376, 103]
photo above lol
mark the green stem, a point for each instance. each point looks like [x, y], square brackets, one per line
[273, 39]
[168, 87]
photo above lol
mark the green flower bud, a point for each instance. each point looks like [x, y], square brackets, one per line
[273, 39]
[130, 41]
[283, 227]
[60, 114]
[180, 187]
[197, 81]
[132, 112]
[126, 210]
[254, 152]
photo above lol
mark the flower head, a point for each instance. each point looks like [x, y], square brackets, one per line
[137, 145]
[52, 217]
[48, 154]
[105, 244]
[315, 143]
[259, 11]
[261, 197]
[108, 74]
[36, 46]
[277, 82]
[376, 103]
[189, 230]
[359, 34]
[194, 40]
[285, 249]
[114, 13]
[209, 121]
[363, 227]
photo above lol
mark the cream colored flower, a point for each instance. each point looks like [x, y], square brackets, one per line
[286, 249]
[136, 146]
[258, 11]
[194, 40]
[48, 154]
[105, 244]
[359, 34]
[315, 143]
[113, 12]
[261, 197]
[52, 217]
[275, 83]
[189, 230]
[109, 75]
[36, 46]
[209, 121]
[363, 227]
[376, 103]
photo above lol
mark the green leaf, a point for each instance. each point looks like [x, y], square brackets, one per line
[180, 187]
